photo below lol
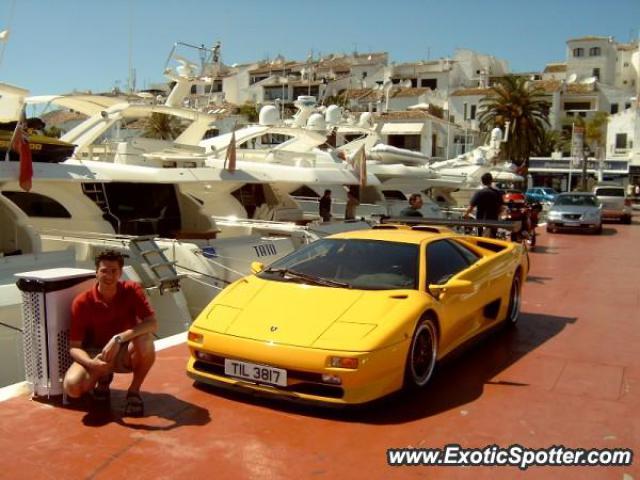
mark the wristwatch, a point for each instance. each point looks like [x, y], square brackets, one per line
[117, 339]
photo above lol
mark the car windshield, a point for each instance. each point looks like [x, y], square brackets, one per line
[610, 192]
[577, 200]
[350, 263]
[549, 191]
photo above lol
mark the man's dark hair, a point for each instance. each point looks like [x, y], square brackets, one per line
[327, 192]
[110, 256]
[486, 179]
[414, 197]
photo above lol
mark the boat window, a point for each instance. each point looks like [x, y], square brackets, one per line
[444, 261]
[143, 208]
[352, 263]
[251, 196]
[394, 195]
[304, 191]
[37, 205]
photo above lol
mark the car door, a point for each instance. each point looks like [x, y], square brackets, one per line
[459, 313]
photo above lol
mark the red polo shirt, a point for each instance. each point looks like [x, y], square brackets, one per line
[94, 321]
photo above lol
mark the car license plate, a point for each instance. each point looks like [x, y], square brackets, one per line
[571, 224]
[255, 373]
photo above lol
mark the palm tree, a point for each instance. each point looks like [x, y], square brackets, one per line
[162, 126]
[516, 101]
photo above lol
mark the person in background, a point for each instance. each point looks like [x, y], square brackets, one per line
[487, 202]
[112, 327]
[324, 208]
[415, 204]
[352, 205]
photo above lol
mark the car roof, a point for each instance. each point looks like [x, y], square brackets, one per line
[566, 194]
[397, 233]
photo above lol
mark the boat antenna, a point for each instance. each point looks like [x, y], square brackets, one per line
[131, 80]
[4, 34]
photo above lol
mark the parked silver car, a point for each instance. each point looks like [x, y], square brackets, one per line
[615, 203]
[575, 211]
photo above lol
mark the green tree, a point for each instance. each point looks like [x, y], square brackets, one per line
[596, 132]
[548, 142]
[162, 126]
[250, 111]
[513, 99]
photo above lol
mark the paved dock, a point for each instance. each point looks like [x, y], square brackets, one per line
[569, 374]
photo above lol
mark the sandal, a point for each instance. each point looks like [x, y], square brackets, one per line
[102, 392]
[134, 406]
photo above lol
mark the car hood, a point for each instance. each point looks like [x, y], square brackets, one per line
[303, 315]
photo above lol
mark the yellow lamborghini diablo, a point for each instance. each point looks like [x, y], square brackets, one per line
[358, 315]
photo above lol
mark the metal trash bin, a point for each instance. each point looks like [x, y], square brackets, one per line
[46, 316]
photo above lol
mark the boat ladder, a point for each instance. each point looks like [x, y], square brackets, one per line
[155, 269]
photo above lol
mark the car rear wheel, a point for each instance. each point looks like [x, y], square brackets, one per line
[513, 311]
[626, 219]
[550, 229]
[421, 358]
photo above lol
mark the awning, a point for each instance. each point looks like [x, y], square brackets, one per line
[402, 128]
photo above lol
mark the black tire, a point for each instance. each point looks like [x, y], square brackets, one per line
[422, 354]
[515, 300]
[598, 231]
[626, 219]
[550, 229]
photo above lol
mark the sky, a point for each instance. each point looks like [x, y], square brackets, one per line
[62, 45]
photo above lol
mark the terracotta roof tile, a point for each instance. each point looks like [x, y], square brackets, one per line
[548, 86]
[555, 68]
[410, 92]
[587, 38]
[407, 115]
[58, 117]
[363, 94]
[463, 92]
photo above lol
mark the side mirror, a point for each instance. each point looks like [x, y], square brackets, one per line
[452, 286]
[257, 267]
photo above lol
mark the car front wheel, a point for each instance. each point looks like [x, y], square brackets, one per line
[513, 311]
[421, 358]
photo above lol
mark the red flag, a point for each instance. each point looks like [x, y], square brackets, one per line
[20, 144]
[230, 157]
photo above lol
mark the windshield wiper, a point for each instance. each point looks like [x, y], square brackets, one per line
[309, 278]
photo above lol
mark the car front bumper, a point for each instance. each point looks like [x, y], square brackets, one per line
[379, 373]
[573, 225]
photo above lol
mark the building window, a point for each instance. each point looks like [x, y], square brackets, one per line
[596, 73]
[410, 142]
[194, 89]
[431, 83]
[577, 106]
[36, 205]
[627, 106]
[473, 112]
[614, 108]
[621, 140]
[594, 52]
[578, 52]
[464, 113]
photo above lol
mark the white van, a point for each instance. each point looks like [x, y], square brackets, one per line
[615, 203]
